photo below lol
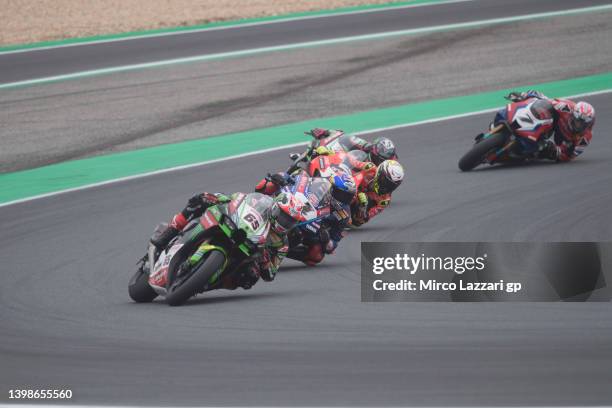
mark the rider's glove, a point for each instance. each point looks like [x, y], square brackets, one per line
[533, 94]
[195, 202]
[514, 96]
[323, 151]
[369, 165]
[318, 133]
[549, 151]
[331, 247]
[363, 199]
[521, 96]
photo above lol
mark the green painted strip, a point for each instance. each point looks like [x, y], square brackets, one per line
[78, 173]
[219, 24]
[310, 44]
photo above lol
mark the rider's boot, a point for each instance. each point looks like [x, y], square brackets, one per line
[244, 278]
[163, 238]
[266, 187]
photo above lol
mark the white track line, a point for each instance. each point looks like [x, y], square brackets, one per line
[308, 44]
[236, 25]
[238, 156]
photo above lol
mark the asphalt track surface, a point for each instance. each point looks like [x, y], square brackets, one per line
[306, 339]
[50, 62]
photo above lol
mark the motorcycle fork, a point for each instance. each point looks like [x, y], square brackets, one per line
[501, 151]
[203, 249]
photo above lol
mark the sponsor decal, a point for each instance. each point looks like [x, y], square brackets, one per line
[159, 278]
[312, 228]
[207, 220]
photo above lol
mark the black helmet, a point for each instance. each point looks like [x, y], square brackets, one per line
[382, 149]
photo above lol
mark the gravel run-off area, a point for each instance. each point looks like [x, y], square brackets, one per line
[26, 21]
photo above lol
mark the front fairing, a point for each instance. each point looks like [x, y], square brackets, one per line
[313, 190]
[158, 277]
[355, 156]
[531, 122]
[531, 119]
[252, 214]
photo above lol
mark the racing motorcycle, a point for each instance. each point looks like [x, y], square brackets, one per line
[315, 194]
[518, 132]
[339, 141]
[216, 244]
[325, 165]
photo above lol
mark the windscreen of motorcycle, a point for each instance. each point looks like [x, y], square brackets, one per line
[253, 216]
[542, 109]
[318, 192]
[532, 119]
[341, 144]
[355, 157]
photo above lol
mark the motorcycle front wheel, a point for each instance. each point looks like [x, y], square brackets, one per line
[480, 151]
[139, 289]
[178, 294]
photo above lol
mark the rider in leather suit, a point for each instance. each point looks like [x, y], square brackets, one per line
[573, 124]
[272, 254]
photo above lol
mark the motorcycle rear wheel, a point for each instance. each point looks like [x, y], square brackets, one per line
[480, 150]
[199, 278]
[139, 289]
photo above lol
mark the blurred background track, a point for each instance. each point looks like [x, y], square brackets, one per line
[109, 113]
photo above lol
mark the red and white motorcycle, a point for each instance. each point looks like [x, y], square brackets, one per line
[518, 133]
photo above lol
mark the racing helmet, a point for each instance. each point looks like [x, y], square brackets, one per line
[382, 149]
[285, 213]
[389, 176]
[583, 116]
[343, 185]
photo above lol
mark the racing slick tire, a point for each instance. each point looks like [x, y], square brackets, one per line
[198, 279]
[479, 151]
[139, 289]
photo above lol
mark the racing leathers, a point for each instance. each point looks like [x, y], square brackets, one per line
[368, 203]
[565, 144]
[265, 265]
[331, 231]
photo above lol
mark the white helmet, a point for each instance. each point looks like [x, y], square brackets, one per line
[389, 176]
[583, 116]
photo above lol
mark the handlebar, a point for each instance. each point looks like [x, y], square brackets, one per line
[306, 156]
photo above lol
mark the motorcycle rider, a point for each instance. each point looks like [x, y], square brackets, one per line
[375, 191]
[375, 188]
[379, 150]
[273, 252]
[573, 124]
[343, 190]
